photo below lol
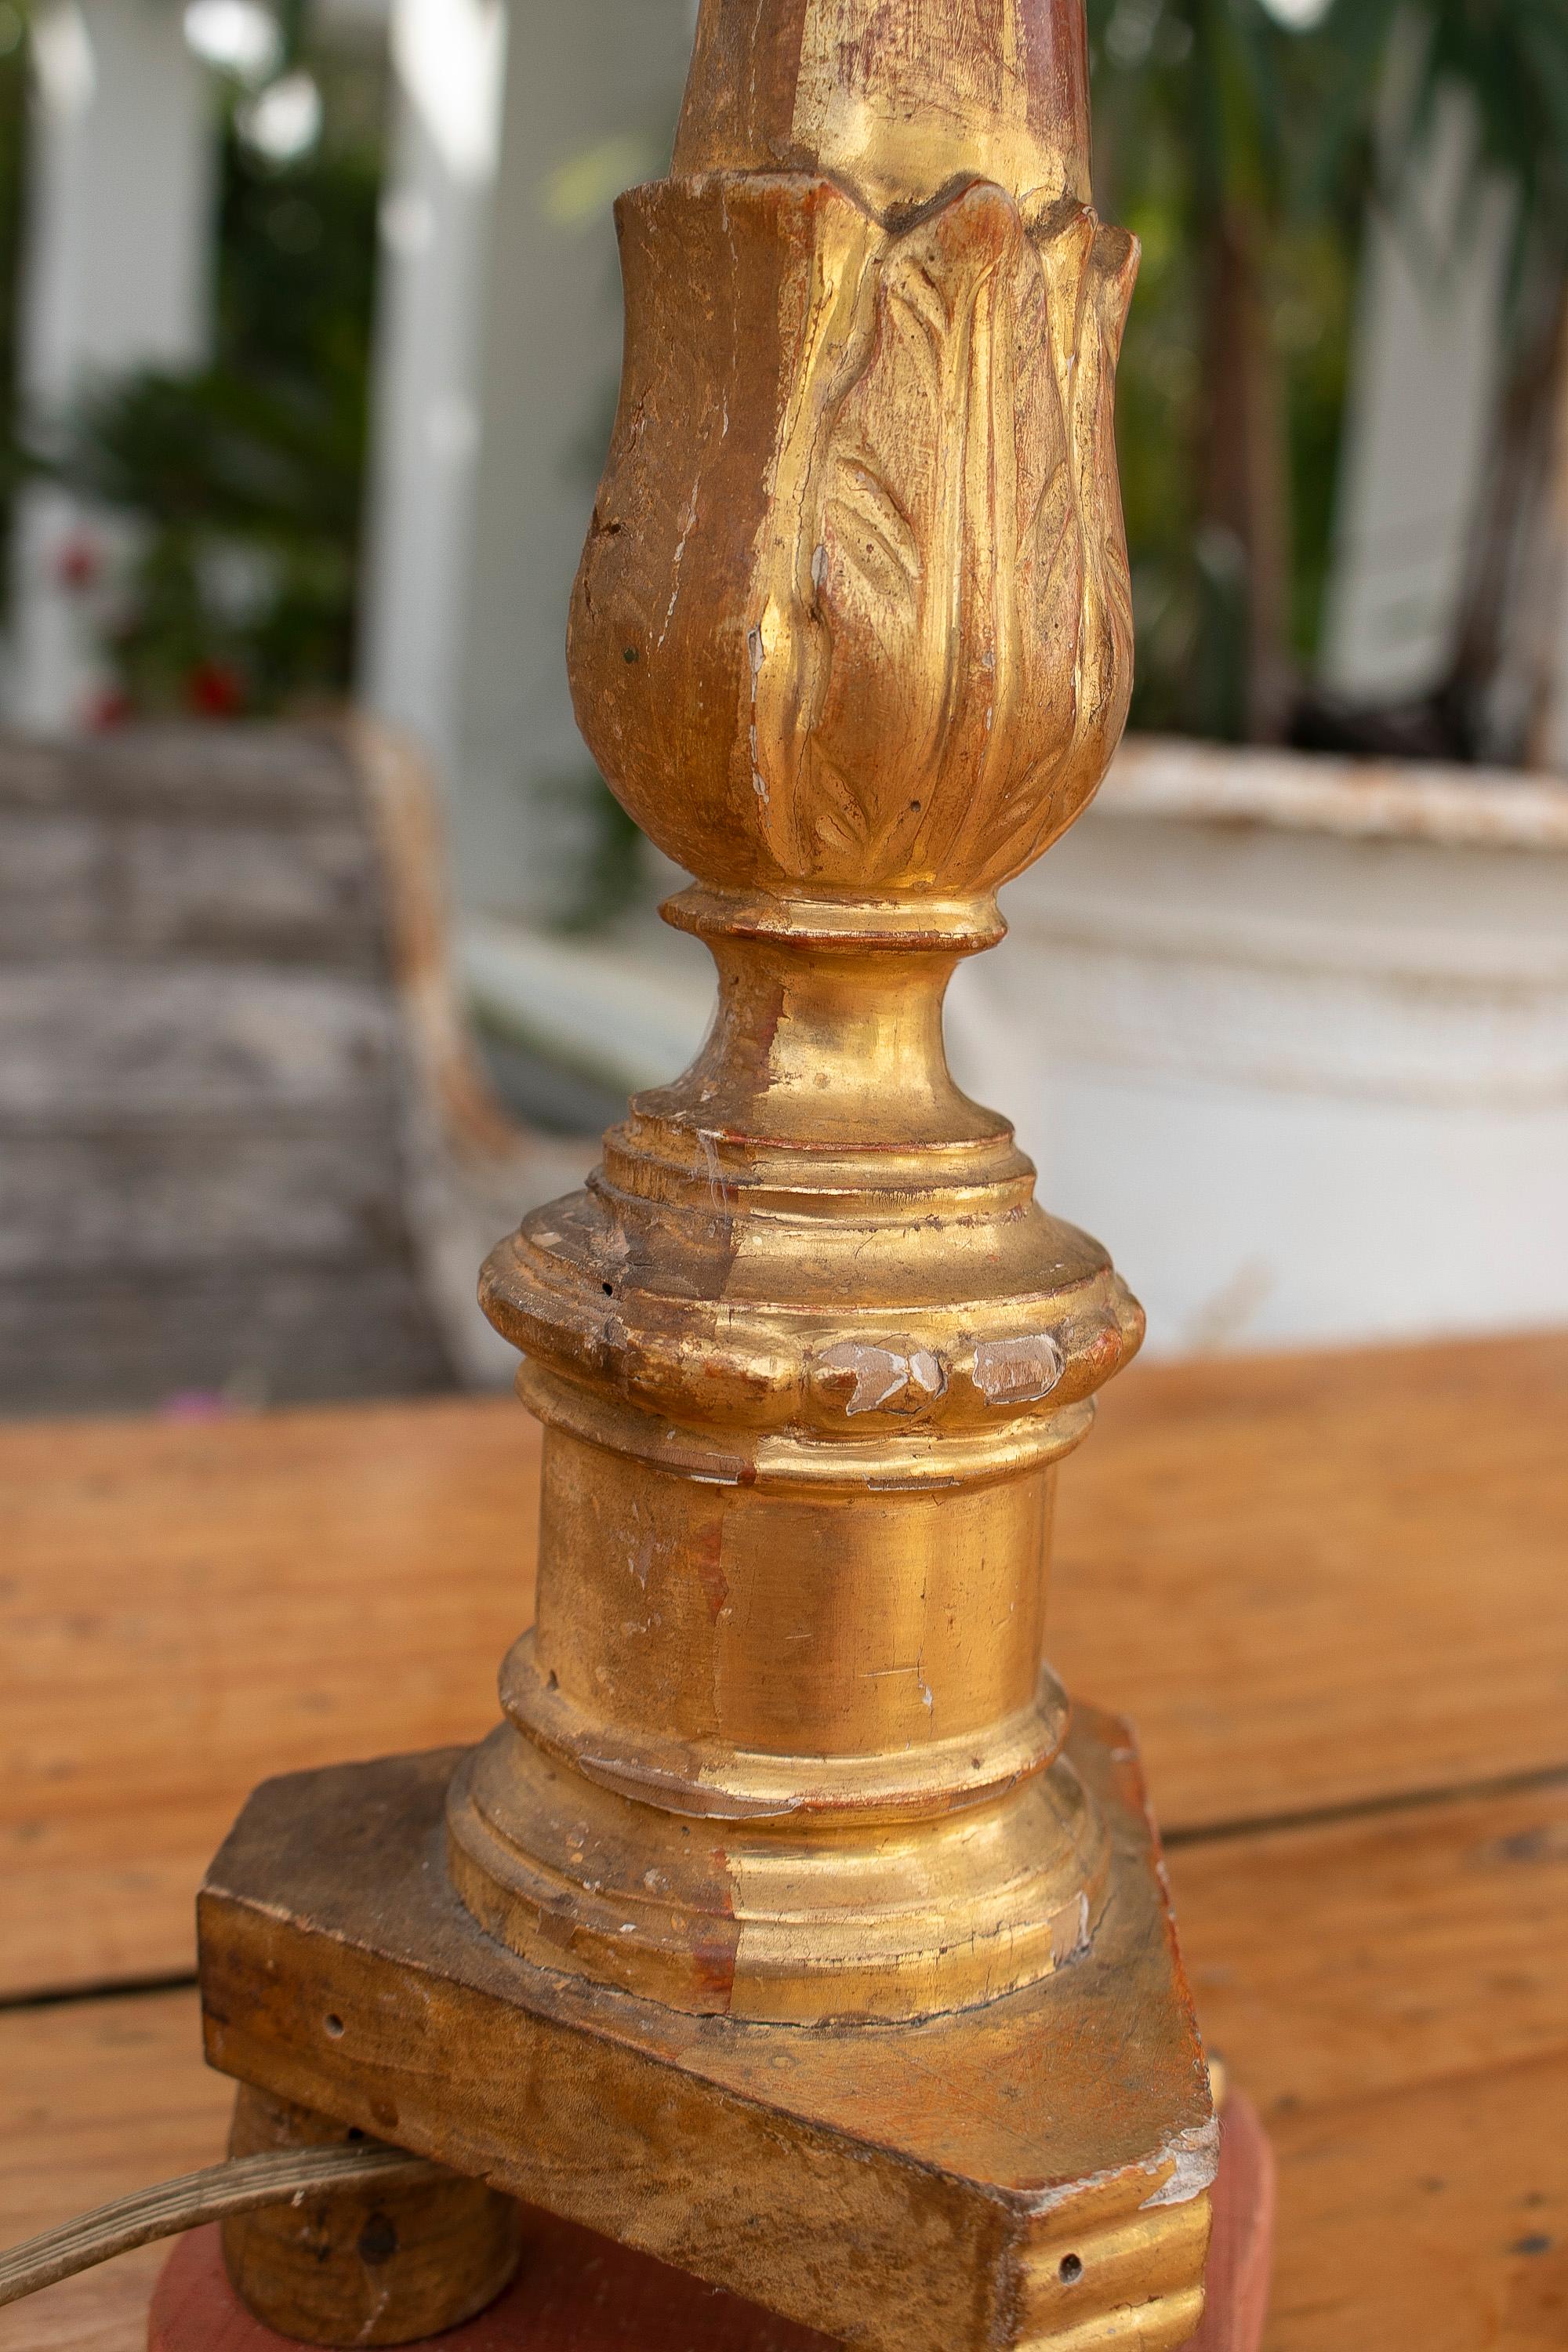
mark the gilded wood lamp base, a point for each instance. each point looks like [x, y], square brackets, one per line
[784, 1930]
[1025, 2172]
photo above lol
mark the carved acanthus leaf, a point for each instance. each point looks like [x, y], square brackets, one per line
[857, 550]
[948, 654]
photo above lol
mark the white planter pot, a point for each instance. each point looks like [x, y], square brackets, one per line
[1291, 1035]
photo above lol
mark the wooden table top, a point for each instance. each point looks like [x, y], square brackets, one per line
[1332, 1590]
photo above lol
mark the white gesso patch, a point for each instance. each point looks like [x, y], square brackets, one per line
[1195, 2156]
[1192, 2154]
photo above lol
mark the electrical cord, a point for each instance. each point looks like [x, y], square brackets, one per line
[280, 2177]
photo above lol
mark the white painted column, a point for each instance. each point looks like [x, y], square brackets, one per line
[116, 276]
[1422, 394]
[448, 62]
[498, 359]
[1551, 745]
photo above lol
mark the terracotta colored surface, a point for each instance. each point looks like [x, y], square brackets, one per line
[1312, 1581]
[1241, 2251]
[575, 2293]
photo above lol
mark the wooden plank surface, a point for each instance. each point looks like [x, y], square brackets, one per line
[1325, 1580]
[98, 2098]
[1389, 1989]
[185, 1611]
[1313, 1581]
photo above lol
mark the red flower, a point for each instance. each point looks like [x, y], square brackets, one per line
[109, 706]
[79, 562]
[215, 689]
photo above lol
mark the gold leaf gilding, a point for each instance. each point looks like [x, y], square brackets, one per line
[934, 658]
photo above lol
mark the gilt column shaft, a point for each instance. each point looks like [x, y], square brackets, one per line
[851, 640]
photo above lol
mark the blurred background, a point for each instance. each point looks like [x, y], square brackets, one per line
[323, 950]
